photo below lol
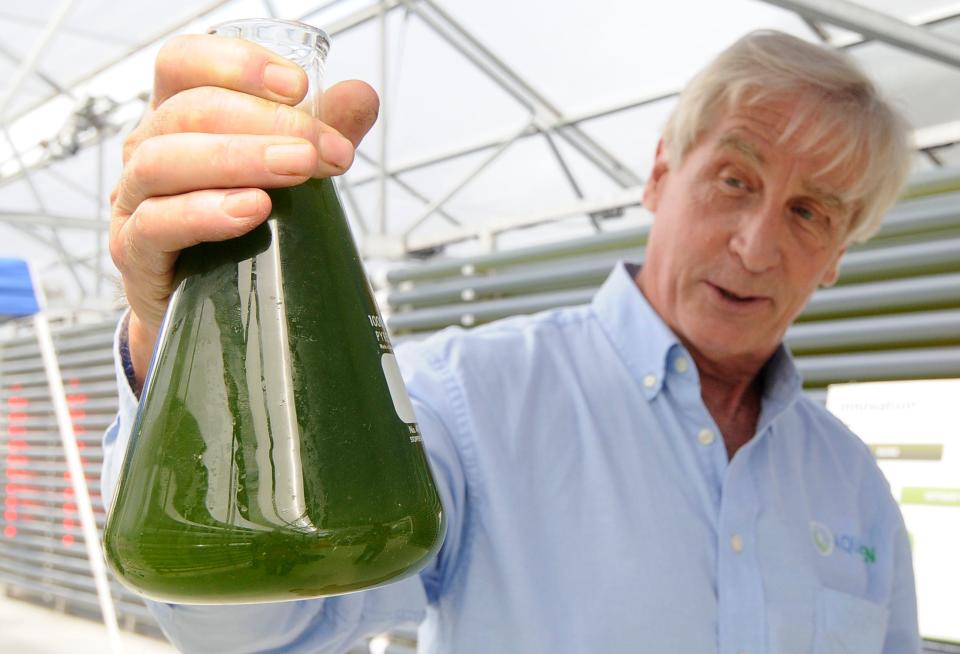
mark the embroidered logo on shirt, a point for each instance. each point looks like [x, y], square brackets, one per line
[822, 538]
[826, 543]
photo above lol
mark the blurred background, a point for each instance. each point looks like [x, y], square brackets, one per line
[504, 176]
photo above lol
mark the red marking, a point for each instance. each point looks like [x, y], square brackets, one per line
[17, 430]
[67, 540]
[73, 383]
[19, 416]
[18, 401]
[77, 398]
[10, 515]
[10, 531]
[77, 413]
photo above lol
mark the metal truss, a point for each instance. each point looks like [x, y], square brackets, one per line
[99, 120]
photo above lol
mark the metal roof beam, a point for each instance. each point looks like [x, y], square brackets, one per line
[29, 62]
[49, 220]
[43, 77]
[878, 26]
[522, 91]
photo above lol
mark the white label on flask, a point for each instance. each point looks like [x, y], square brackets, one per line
[398, 392]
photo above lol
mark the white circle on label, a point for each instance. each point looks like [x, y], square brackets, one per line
[398, 391]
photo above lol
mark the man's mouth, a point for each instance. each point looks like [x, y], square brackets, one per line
[738, 298]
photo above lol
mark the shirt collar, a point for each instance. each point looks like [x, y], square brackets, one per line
[636, 331]
[645, 342]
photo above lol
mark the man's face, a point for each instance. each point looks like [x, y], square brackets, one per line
[745, 230]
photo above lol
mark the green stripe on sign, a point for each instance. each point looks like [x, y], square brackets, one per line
[907, 451]
[934, 496]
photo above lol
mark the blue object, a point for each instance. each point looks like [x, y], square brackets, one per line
[17, 297]
[593, 509]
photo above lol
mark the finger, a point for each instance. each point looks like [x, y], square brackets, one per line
[195, 60]
[172, 164]
[219, 111]
[145, 245]
[351, 108]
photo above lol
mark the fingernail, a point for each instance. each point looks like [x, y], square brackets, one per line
[283, 80]
[336, 150]
[241, 204]
[290, 159]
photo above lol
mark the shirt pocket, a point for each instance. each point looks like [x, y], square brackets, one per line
[848, 624]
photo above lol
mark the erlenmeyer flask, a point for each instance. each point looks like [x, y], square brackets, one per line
[275, 454]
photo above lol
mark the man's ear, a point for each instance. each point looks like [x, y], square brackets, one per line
[830, 277]
[652, 190]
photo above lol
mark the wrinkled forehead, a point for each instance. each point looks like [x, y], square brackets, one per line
[825, 132]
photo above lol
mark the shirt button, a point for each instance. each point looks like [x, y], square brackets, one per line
[681, 364]
[649, 381]
[737, 543]
[705, 436]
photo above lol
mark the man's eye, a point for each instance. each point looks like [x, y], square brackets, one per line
[735, 182]
[804, 213]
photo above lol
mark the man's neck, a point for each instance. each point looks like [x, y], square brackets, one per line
[731, 390]
[734, 403]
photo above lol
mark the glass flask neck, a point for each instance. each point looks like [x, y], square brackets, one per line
[303, 44]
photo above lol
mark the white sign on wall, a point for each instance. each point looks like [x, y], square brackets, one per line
[913, 429]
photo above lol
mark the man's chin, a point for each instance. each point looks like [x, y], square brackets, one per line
[728, 345]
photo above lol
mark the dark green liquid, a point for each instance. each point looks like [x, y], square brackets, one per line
[268, 461]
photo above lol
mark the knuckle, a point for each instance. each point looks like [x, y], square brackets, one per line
[171, 54]
[142, 165]
[229, 156]
[186, 111]
[142, 226]
[117, 253]
[287, 120]
[130, 144]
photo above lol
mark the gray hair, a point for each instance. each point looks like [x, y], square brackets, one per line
[765, 65]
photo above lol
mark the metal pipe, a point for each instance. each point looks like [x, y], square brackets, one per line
[633, 237]
[438, 317]
[631, 197]
[384, 121]
[899, 260]
[896, 364]
[876, 25]
[876, 297]
[869, 332]
[564, 274]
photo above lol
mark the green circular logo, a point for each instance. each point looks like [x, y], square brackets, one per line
[822, 538]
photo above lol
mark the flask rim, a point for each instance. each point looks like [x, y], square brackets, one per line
[241, 22]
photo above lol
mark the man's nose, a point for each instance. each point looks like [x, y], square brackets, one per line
[757, 238]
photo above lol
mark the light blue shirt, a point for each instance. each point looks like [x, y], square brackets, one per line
[592, 508]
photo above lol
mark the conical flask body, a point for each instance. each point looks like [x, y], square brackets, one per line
[275, 454]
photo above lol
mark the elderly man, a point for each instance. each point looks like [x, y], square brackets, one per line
[641, 474]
